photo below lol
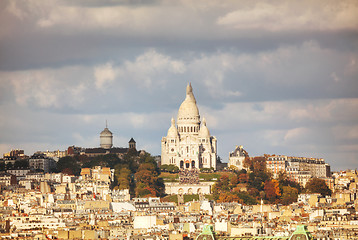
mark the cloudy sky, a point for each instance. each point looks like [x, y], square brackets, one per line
[278, 77]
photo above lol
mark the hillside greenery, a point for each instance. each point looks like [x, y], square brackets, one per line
[256, 184]
[141, 174]
[138, 172]
[249, 187]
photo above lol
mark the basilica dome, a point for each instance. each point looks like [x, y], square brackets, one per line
[172, 131]
[204, 131]
[188, 111]
[188, 144]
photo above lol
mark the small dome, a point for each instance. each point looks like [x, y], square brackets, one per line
[204, 131]
[188, 109]
[172, 131]
[106, 139]
[106, 132]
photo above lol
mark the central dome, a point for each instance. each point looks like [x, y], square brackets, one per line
[188, 111]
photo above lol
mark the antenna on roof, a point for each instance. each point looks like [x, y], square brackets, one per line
[106, 124]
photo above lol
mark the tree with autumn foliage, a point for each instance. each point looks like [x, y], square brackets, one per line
[258, 175]
[288, 188]
[123, 178]
[243, 178]
[139, 173]
[259, 164]
[247, 162]
[226, 190]
[234, 180]
[316, 185]
[289, 195]
[256, 183]
[285, 181]
[148, 184]
[69, 165]
[223, 183]
[221, 186]
[229, 197]
[272, 190]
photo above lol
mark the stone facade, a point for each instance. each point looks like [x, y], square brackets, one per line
[188, 144]
[106, 139]
[178, 188]
[276, 164]
[237, 158]
[299, 169]
[42, 162]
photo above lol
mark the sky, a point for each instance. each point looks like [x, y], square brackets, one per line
[278, 77]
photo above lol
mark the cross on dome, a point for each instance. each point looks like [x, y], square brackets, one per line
[189, 89]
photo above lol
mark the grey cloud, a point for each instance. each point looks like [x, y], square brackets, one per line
[79, 38]
[101, 3]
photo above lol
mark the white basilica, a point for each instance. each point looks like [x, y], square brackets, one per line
[188, 144]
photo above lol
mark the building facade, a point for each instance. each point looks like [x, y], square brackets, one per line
[276, 164]
[299, 169]
[237, 158]
[40, 161]
[7, 179]
[188, 143]
[106, 147]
